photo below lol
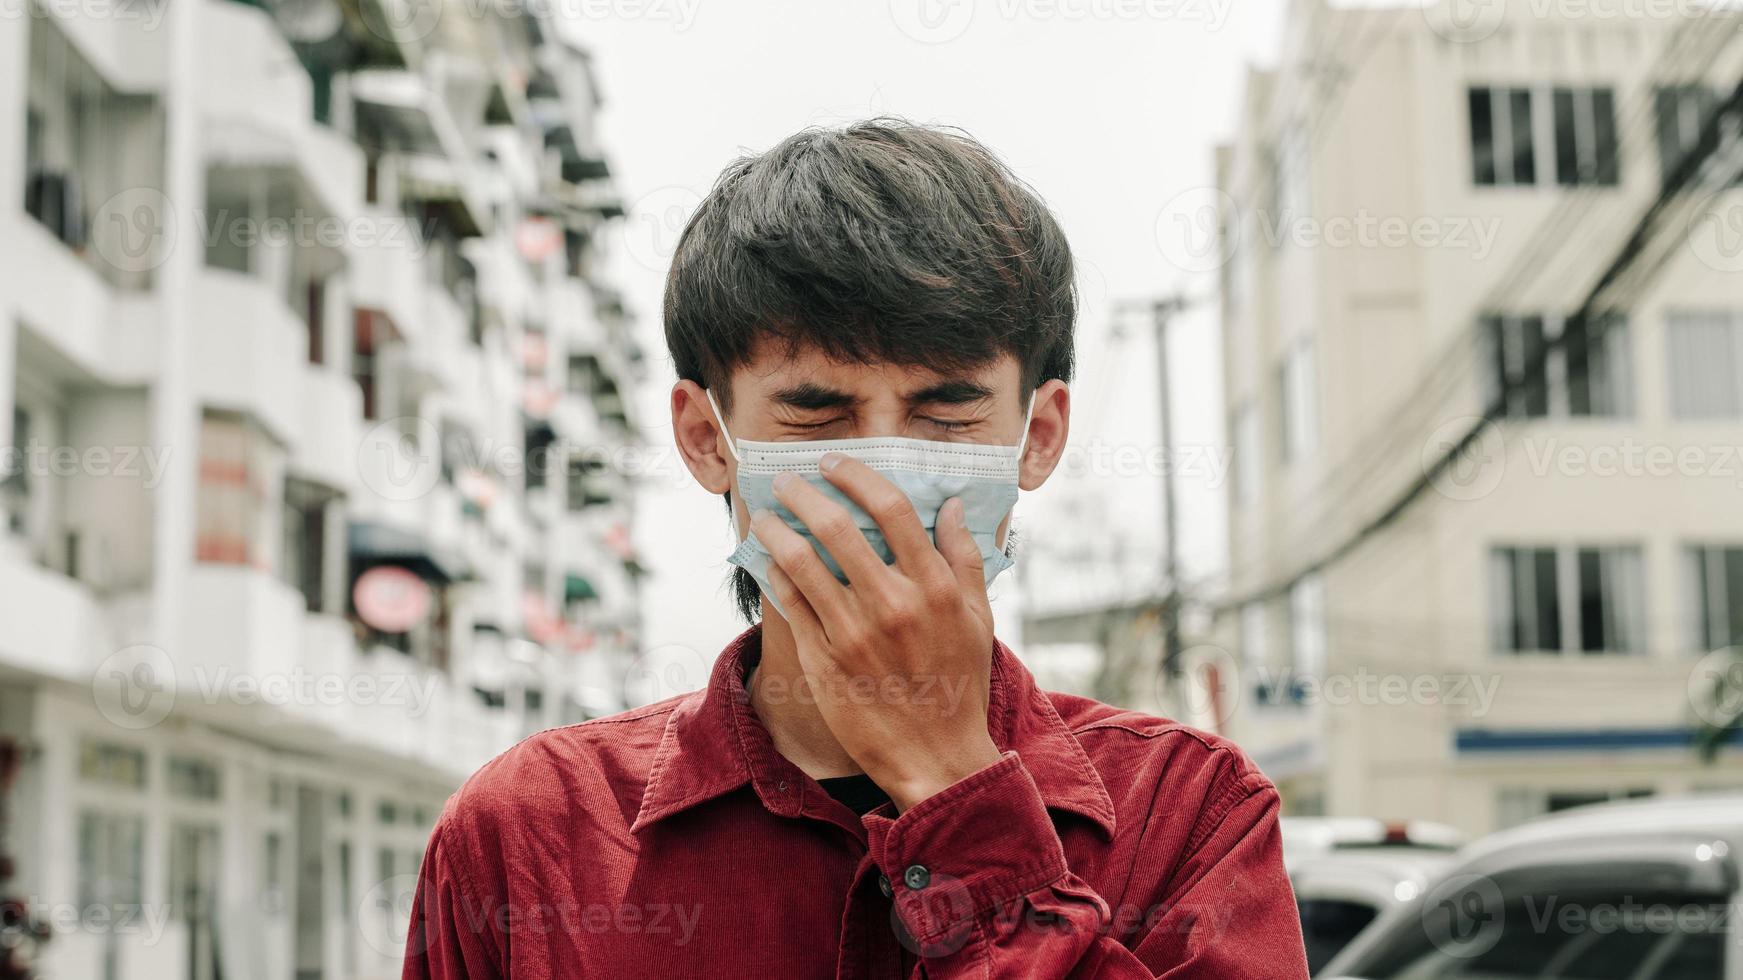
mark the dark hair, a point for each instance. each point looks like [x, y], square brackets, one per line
[880, 242]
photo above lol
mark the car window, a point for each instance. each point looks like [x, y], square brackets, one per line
[1328, 925]
[1610, 934]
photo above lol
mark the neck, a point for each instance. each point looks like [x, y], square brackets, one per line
[782, 701]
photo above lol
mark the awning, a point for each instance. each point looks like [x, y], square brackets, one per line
[576, 588]
[374, 543]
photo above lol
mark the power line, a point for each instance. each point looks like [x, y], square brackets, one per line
[1454, 363]
[1598, 298]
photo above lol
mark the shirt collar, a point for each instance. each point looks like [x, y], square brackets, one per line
[714, 743]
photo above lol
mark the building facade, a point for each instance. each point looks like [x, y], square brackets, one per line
[314, 494]
[1417, 213]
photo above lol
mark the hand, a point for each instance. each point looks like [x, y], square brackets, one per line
[900, 659]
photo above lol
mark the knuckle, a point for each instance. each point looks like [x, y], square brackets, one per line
[941, 593]
[901, 616]
[894, 507]
[836, 526]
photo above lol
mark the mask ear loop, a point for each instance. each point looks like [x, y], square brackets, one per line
[732, 444]
[1028, 417]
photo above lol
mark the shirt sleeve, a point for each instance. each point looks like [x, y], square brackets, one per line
[980, 885]
[452, 932]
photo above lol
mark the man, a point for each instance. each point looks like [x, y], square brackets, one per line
[872, 328]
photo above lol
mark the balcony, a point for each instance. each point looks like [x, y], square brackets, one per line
[331, 427]
[248, 350]
[258, 106]
[54, 626]
[109, 332]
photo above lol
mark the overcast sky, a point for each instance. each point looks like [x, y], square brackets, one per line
[1110, 109]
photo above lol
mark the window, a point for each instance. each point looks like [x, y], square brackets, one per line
[1527, 600]
[1298, 402]
[1244, 429]
[1610, 600]
[272, 873]
[541, 442]
[1543, 366]
[111, 862]
[15, 476]
[1706, 365]
[1653, 931]
[1307, 635]
[234, 459]
[1585, 137]
[1501, 137]
[1255, 638]
[1519, 804]
[1544, 598]
[112, 765]
[193, 779]
[1683, 113]
[1328, 925]
[588, 483]
[1715, 590]
[302, 563]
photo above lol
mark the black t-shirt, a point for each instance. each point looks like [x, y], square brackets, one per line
[857, 793]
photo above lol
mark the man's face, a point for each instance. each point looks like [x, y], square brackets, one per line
[782, 396]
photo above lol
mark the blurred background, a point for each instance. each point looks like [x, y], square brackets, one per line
[1407, 446]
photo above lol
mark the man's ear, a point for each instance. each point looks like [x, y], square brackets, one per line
[1048, 428]
[700, 439]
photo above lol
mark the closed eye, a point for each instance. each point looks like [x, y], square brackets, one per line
[950, 424]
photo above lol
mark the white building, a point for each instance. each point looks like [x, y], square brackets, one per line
[312, 499]
[1412, 206]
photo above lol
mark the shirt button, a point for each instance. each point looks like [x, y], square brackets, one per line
[884, 886]
[916, 877]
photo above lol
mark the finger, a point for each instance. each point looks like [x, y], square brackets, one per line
[887, 505]
[834, 527]
[796, 609]
[804, 567]
[959, 550]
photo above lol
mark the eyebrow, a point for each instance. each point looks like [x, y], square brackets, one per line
[955, 392]
[811, 396]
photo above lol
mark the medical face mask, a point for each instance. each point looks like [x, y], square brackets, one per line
[928, 472]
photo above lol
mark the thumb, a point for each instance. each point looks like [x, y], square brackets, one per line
[959, 550]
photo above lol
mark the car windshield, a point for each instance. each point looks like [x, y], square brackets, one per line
[1588, 934]
[1328, 925]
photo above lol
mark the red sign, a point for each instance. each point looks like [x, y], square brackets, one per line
[391, 599]
[538, 239]
[541, 625]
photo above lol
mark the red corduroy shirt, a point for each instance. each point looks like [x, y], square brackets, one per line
[674, 841]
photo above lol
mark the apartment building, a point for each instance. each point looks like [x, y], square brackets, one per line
[313, 497]
[1416, 208]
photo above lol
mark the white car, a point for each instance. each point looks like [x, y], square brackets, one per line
[1645, 890]
[1346, 871]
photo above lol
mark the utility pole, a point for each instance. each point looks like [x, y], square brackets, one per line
[1162, 310]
